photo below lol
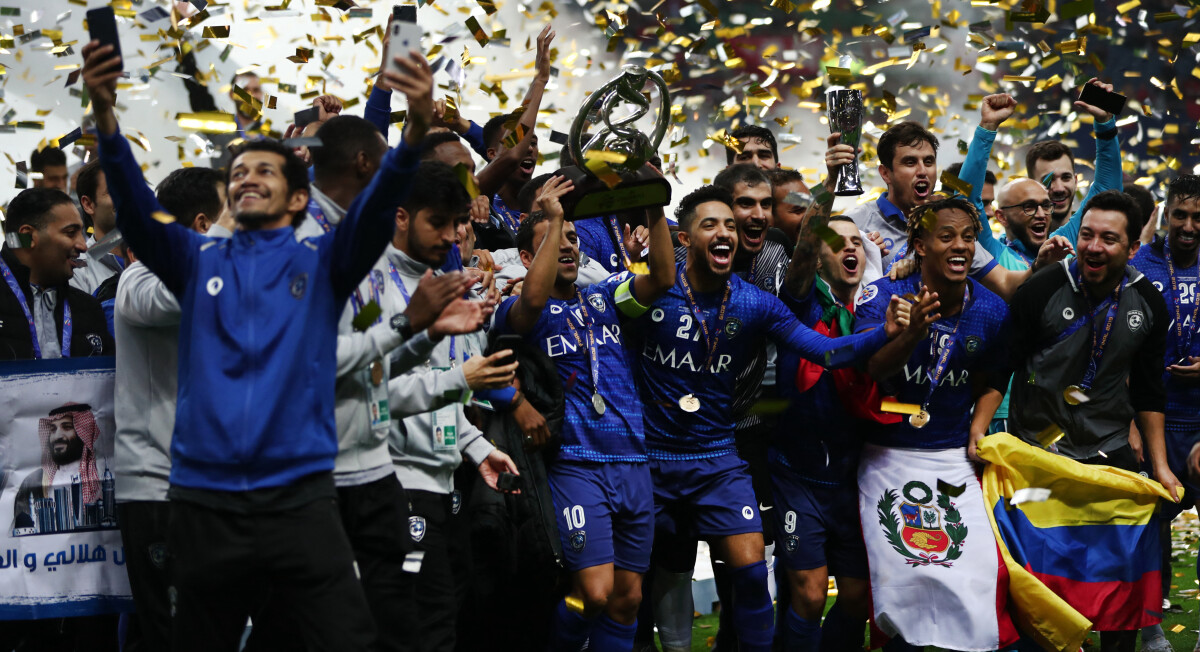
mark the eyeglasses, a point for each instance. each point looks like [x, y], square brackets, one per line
[1030, 207]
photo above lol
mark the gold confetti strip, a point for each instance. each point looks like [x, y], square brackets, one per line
[163, 216]
[465, 178]
[606, 174]
[473, 26]
[221, 31]
[958, 185]
[210, 122]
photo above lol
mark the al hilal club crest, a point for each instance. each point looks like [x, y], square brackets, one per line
[927, 532]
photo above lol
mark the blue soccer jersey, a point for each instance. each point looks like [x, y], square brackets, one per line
[815, 437]
[562, 332]
[1182, 397]
[687, 387]
[596, 239]
[976, 340]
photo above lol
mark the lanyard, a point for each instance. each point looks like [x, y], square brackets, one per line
[710, 342]
[1012, 247]
[1098, 342]
[404, 293]
[593, 355]
[616, 231]
[314, 211]
[1183, 336]
[939, 370]
[37, 346]
[356, 299]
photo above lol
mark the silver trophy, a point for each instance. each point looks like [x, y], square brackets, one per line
[845, 109]
[627, 183]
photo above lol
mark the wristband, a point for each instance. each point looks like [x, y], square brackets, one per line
[517, 401]
[1106, 135]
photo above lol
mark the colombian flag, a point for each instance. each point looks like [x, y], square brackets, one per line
[1086, 556]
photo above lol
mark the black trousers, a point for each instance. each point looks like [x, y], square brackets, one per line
[442, 584]
[375, 516]
[223, 563]
[144, 534]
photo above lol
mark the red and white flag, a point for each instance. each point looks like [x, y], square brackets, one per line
[936, 574]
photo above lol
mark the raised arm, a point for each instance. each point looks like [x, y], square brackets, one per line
[1108, 161]
[993, 110]
[788, 332]
[165, 248]
[647, 288]
[539, 280]
[361, 238]
[803, 268]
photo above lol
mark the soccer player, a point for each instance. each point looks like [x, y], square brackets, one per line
[814, 451]
[759, 148]
[697, 339]
[255, 437]
[1171, 267]
[940, 372]
[600, 479]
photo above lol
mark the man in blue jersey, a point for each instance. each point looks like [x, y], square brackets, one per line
[1171, 267]
[935, 376]
[697, 340]
[814, 451]
[255, 438]
[600, 480]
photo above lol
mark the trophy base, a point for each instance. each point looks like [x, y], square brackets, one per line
[848, 193]
[593, 198]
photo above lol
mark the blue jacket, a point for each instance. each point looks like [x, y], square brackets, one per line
[258, 336]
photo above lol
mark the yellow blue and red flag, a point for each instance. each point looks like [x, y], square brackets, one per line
[1080, 542]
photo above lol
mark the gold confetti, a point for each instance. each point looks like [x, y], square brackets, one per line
[1178, 628]
[210, 122]
[896, 407]
[216, 32]
[599, 168]
[958, 185]
[465, 178]
[473, 25]
[1051, 434]
[163, 216]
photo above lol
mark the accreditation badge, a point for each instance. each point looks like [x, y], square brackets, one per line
[377, 405]
[445, 428]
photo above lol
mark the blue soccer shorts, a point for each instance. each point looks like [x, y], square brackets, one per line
[705, 498]
[818, 525]
[605, 514]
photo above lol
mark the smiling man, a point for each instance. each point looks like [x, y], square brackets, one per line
[255, 437]
[68, 435]
[41, 315]
[1088, 341]
[698, 340]
[759, 148]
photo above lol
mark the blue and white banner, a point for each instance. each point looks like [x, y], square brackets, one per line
[60, 549]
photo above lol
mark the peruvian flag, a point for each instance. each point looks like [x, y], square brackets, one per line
[936, 573]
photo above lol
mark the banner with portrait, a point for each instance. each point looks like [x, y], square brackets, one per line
[60, 549]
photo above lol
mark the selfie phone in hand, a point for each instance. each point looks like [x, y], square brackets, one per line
[404, 35]
[1092, 94]
[510, 342]
[508, 482]
[102, 27]
[306, 117]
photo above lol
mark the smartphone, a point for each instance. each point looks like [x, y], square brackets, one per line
[510, 342]
[102, 27]
[1092, 94]
[404, 35]
[306, 117]
[508, 482]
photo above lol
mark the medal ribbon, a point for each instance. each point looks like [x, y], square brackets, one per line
[1183, 335]
[314, 211]
[710, 342]
[935, 375]
[593, 354]
[404, 293]
[33, 336]
[616, 231]
[1098, 343]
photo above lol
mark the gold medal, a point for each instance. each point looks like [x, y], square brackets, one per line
[376, 373]
[1074, 395]
[689, 403]
[919, 420]
[598, 403]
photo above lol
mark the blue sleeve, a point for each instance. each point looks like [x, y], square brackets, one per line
[500, 317]
[978, 274]
[167, 249]
[974, 172]
[833, 352]
[379, 109]
[360, 239]
[1108, 177]
[109, 306]
[501, 398]
[872, 312]
[474, 138]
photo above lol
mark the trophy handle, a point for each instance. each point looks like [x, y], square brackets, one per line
[625, 87]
